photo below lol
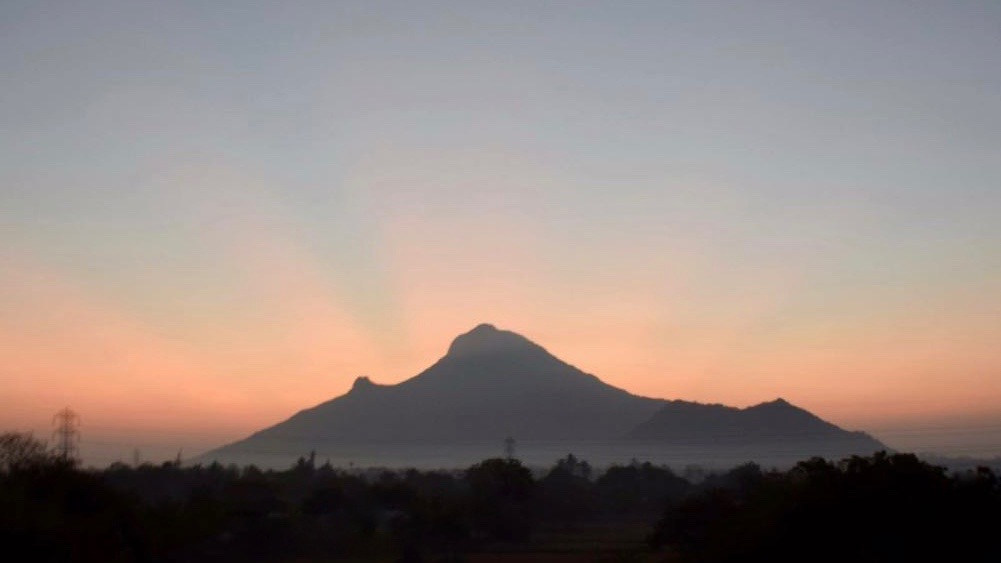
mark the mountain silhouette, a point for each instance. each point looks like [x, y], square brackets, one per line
[774, 422]
[492, 383]
[495, 383]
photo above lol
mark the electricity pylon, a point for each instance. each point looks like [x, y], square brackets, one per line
[509, 448]
[67, 434]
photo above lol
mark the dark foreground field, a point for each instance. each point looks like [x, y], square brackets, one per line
[876, 508]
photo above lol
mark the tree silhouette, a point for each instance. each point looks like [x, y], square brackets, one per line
[21, 451]
[500, 491]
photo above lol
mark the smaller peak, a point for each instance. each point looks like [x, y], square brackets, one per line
[778, 403]
[483, 328]
[362, 382]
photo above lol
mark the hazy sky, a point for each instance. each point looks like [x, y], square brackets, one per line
[214, 216]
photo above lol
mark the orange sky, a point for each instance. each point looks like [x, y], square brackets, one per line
[213, 217]
[150, 378]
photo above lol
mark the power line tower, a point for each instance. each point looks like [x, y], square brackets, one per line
[67, 434]
[509, 444]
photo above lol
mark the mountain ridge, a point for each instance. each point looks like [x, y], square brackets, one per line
[494, 383]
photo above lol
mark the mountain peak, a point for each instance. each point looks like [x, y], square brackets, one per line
[777, 404]
[484, 328]
[488, 339]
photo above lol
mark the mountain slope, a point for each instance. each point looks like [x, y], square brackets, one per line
[775, 422]
[491, 384]
[494, 383]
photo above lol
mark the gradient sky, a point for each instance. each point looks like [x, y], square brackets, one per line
[214, 216]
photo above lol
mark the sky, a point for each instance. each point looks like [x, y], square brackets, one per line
[213, 215]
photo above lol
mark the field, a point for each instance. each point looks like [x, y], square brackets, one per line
[600, 542]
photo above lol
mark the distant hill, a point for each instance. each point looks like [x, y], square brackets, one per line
[681, 423]
[494, 383]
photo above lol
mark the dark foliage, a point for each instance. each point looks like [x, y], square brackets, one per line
[499, 496]
[566, 492]
[638, 488]
[885, 507]
[879, 508]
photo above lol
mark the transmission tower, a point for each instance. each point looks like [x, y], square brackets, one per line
[66, 433]
[509, 444]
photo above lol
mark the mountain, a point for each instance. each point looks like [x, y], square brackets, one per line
[491, 384]
[495, 383]
[683, 423]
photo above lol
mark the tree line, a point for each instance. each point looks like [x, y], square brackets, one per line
[885, 506]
